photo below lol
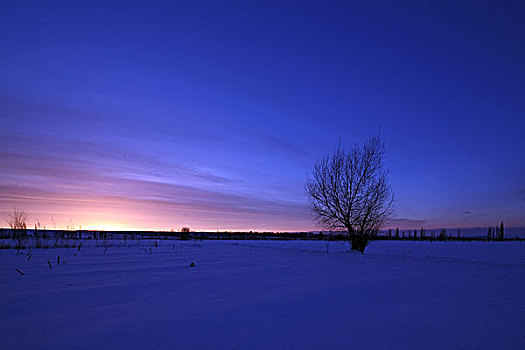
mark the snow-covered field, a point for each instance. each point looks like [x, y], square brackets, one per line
[265, 295]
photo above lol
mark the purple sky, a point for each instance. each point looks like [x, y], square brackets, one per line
[157, 115]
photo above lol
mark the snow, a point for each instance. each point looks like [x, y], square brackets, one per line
[265, 295]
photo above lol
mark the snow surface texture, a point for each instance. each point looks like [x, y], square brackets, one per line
[265, 295]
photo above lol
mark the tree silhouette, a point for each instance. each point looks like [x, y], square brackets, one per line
[17, 220]
[349, 189]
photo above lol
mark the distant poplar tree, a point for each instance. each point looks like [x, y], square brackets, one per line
[501, 232]
[397, 232]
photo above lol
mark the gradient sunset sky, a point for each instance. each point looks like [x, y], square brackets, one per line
[163, 114]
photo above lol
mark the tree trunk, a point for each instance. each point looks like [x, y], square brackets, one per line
[358, 241]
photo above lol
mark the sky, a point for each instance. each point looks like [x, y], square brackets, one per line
[158, 115]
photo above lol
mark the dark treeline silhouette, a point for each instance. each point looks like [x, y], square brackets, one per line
[496, 233]
[70, 238]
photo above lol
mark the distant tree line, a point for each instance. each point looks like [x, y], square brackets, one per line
[20, 234]
[496, 233]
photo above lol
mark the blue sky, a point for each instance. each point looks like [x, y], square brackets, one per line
[160, 115]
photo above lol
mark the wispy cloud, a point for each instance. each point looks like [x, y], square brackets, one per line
[77, 179]
[408, 223]
[280, 145]
[160, 205]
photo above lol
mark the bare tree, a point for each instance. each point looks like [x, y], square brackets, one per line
[17, 220]
[350, 190]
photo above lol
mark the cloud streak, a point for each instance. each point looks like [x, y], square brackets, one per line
[74, 179]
